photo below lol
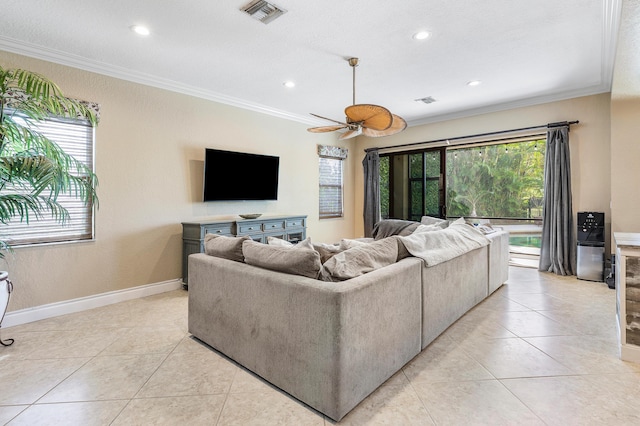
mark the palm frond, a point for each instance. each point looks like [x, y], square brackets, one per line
[23, 206]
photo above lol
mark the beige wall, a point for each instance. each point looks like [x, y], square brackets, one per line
[625, 170]
[149, 160]
[589, 144]
[625, 124]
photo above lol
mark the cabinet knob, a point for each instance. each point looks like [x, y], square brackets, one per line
[273, 226]
[251, 228]
[293, 224]
[219, 231]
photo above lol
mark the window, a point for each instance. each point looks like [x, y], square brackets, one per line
[496, 181]
[331, 180]
[76, 138]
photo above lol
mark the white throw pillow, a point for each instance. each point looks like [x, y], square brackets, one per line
[304, 244]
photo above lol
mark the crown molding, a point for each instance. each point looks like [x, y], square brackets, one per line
[537, 100]
[75, 61]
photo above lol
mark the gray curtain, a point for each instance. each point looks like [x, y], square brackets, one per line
[558, 248]
[371, 164]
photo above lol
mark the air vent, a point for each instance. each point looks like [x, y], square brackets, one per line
[263, 11]
[427, 100]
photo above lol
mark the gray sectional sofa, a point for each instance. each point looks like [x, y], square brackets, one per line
[330, 344]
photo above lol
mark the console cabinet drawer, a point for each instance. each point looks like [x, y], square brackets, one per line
[273, 226]
[295, 223]
[218, 230]
[249, 228]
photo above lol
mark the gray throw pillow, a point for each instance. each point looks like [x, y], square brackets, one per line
[327, 251]
[360, 260]
[225, 247]
[301, 261]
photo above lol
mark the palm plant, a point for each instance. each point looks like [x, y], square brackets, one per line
[34, 170]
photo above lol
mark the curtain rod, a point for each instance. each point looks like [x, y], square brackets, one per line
[500, 132]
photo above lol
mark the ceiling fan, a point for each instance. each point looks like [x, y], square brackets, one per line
[363, 119]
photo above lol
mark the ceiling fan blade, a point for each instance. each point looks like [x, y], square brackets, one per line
[329, 119]
[351, 133]
[325, 129]
[397, 126]
[370, 116]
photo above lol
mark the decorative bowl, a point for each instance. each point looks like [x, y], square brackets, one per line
[250, 215]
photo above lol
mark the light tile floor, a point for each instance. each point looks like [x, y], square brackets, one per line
[541, 350]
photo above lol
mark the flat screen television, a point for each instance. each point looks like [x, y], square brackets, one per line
[236, 176]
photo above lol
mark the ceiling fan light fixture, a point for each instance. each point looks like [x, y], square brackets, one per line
[263, 11]
[351, 133]
[366, 119]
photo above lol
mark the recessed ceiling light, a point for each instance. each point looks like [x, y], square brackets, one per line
[289, 84]
[141, 29]
[421, 35]
[473, 83]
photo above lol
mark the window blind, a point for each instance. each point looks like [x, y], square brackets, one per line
[76, 138]
[330, 187]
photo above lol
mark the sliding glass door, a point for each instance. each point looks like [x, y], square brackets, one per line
[412, 184]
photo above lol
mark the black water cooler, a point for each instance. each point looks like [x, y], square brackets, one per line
[591, 246]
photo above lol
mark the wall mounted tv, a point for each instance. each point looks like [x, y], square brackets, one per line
[236, 176]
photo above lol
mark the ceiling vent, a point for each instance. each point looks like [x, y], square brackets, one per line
[427, 100]
[263, 11]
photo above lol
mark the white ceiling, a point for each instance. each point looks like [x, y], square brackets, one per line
[524, 52]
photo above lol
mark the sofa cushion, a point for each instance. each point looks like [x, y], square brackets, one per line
[301, 261]
[360, 259]
[225, 247]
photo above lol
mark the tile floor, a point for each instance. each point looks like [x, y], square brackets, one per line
[541, 350]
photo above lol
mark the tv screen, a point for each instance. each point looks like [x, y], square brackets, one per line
[235, 176]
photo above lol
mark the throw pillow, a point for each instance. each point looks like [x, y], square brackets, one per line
[430, 220]
[459, 221]
[388, 227]
[327, 251]
[273, 241]
[346, 243]
[302, 261]
[306, 243]
[360, 260]
[225, 247]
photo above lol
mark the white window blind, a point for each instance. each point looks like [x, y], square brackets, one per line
[76, 138]
[331, 181]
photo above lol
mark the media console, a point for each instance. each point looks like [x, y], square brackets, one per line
[290, 228]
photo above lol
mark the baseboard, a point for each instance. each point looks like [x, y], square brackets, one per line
[630, 353]
[24, 316]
